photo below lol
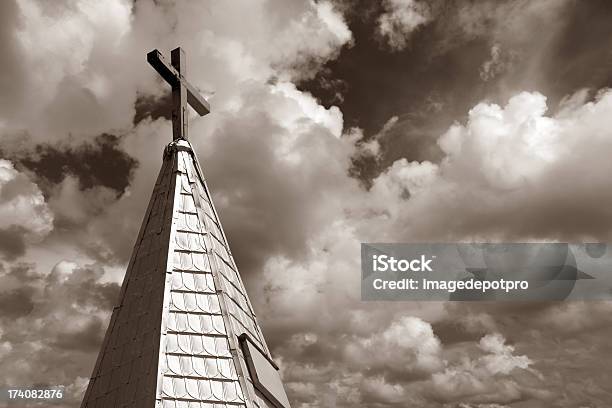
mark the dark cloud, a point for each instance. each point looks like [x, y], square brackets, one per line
[99, 163]
[149, 106]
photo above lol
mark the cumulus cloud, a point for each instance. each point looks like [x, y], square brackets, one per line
[513, 167]
[316, 37]
[487, 378]
[69, 58]
[400, 19]
[22, 204]
[378, 369]
[407, 347]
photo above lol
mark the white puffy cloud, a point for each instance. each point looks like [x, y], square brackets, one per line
[500, 358]
[400, 19]
[407, 347]
[22, 204]
[317, 36]
[497, 375]
[511, 171]
[302, 109]
[511, 145]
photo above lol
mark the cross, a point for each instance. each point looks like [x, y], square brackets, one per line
[183, 92]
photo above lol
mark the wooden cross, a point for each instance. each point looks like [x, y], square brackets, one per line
[183, 92]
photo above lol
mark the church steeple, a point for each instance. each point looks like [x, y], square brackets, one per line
[184, 333]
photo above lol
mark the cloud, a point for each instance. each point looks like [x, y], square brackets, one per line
[99, 162]
[487, 378]
[372, 147]
[51, 322]
[502, 35]
[74, 49]
[407, 347]
[400, 19]
[492, 66]
[540, 331]
[314, 39]
[22, 205]
[73, 206]
[377, 369]
[508, 172]
[499, 358]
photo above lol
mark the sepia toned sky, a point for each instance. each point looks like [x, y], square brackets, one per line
[333, 123]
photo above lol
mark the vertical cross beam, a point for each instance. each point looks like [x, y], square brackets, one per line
[179, 95]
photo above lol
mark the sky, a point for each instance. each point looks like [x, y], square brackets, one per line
[333, 123]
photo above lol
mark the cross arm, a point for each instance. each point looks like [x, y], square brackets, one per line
[196, 100]
[171, 75]
[167, 71]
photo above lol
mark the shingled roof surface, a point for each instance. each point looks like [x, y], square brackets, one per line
[172, 341]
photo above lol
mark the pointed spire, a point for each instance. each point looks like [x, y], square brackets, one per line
[184, 334]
